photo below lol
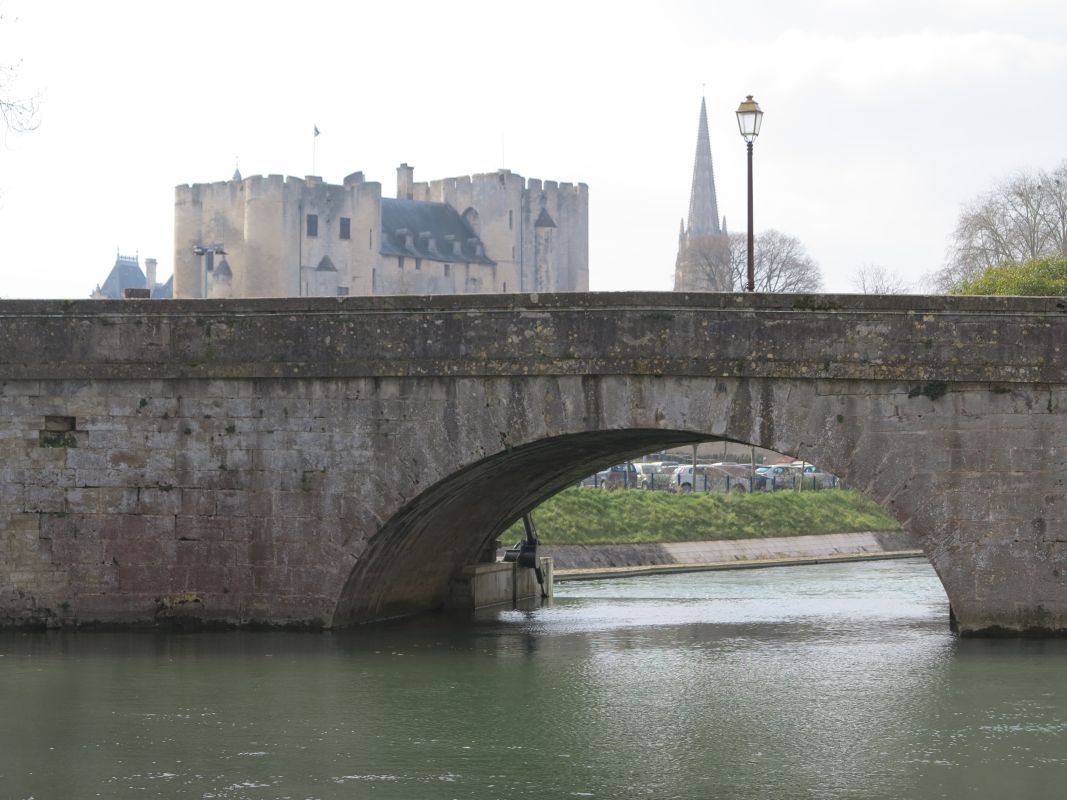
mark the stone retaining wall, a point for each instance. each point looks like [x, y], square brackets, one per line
[680, 554]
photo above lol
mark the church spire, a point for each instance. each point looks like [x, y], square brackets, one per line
[703, 207]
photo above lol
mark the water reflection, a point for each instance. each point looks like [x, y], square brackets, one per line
[832, 681]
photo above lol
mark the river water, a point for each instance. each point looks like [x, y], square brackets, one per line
[829, 681]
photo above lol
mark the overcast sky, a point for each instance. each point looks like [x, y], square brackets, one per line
[882, 118]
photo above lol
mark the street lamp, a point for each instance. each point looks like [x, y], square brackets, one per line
[207, 253]
[749, 118]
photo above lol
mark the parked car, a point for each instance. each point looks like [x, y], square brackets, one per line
[779, 476]
[744, 475]
[655, 474]
[644, 471]
[709, 478]
[620, 476]
[798, 475]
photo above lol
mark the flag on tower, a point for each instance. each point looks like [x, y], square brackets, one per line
[316, 130]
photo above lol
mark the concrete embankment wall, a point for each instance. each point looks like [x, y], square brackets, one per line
[570, 560]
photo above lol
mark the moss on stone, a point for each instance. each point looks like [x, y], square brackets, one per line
[815, 302]
[58, 439]
[934, 390]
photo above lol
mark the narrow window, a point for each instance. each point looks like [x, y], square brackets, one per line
[509, 219]
[505, 286]
[370, 239]
[418, 263]
[346, 228]
[373, 281]
[400, 262]
[313, 224]
[448, 270]
[512, 252]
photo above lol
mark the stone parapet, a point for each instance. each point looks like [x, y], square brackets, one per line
[722, 335]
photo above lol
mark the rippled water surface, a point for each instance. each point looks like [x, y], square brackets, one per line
[831, 681]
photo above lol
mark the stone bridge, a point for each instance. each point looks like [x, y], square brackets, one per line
[322, 462]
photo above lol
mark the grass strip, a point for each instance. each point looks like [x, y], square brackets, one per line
[591, 516]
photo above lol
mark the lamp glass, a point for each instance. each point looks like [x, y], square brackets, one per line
[749, 118]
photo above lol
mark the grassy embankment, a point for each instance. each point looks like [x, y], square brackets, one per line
[588, 516]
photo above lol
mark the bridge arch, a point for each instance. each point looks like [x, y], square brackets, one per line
[408, 562]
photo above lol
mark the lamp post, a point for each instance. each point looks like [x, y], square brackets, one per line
[749, 118]
[207, 253]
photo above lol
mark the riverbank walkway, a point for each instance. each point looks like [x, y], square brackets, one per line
[589, 562]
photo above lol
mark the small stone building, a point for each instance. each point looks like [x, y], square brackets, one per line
[280, 236]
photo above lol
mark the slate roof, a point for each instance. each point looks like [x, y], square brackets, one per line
[126, 274]
[421, 229]
[164, 291]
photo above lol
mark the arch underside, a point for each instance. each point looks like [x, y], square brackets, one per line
[448, 525]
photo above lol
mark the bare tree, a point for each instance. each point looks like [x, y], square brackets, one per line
[782, 264]
[705, 265]
[18, 113]
[1054, 188]
[876, 279]
[1020, 219]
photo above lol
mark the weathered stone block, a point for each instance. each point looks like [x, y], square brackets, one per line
[159, 501]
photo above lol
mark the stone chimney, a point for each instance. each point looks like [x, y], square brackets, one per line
[405, 182]
[150, 273]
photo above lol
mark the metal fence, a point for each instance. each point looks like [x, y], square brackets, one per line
[705, 482]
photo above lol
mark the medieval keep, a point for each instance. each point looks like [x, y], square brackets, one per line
[285, 237]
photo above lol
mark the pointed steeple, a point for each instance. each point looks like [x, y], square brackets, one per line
[703, 207]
